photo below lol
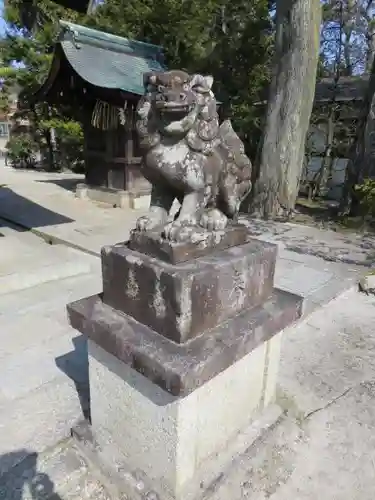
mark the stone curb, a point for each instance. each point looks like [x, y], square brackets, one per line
[50, 238]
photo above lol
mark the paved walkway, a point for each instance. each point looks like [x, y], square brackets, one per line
[325, 446]
[57, 474]
[43, 362]
[46, 204]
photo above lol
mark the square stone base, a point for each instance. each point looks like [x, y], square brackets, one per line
[177, 445]
[180, 369]
[184, 300]
[114, 197]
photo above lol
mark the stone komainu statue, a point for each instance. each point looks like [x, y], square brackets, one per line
[188, 156]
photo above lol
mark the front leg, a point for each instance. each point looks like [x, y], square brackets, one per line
[160, 205]
[189, 215]
[214, 220]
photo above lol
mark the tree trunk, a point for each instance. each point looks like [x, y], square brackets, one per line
[289, 108]
[370, 35]
[50, 149]
[361, 164]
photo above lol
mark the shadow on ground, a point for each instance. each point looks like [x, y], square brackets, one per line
[23, 479]
[26, 213]
[69, 184]
[75, 365]
[6, 225]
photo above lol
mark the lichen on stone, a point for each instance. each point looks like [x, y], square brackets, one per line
[189, 156]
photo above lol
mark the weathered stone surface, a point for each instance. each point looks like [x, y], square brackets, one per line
[198, 242]
[179, 369]
[188, 156]
[182, 301]
[367, 283]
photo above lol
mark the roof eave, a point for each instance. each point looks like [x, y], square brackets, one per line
[104, 39]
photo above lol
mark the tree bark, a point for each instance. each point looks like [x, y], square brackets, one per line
[370, 35]
[289, 108]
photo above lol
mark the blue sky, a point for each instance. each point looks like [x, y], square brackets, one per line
[2, 23]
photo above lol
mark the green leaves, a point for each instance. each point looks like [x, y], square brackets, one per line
[29, 43]
[31, 48]
[21, 150]
[66, 129]
[229, 39]
[366, 192]
[7, 71]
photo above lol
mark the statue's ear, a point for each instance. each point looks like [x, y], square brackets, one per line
[209, 81]
[149, 78]
[204, 82]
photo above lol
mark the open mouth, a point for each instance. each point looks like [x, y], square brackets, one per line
[173, 107]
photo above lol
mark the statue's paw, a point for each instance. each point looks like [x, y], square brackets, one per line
[187, 220]
[157, 216]
[175, 231]
[171, 231]
[142, 223]
[213, 220]
[146, 222]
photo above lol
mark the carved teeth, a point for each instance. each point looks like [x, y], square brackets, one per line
[166, 107]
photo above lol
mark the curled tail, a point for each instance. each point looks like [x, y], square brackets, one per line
[145, 125]
[235, 179]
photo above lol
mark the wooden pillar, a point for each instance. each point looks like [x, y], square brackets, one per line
[129, 125]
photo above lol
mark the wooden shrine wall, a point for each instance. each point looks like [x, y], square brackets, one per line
[112, 157]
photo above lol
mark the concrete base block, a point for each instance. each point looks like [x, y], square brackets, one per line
[169, 441]
[114, 197]
[110, 467]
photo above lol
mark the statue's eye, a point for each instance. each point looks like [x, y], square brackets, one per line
[161, 88]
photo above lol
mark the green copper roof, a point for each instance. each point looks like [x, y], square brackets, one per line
[109, 61]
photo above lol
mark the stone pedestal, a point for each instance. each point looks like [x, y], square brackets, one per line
[183, 355]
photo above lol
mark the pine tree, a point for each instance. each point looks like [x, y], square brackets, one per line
[351, 25]
[27, 52]
[230, 40]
